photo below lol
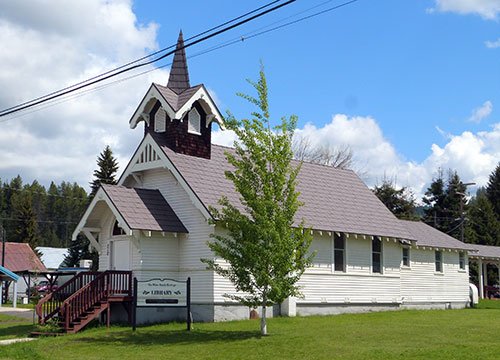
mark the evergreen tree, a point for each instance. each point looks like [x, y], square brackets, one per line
[434, 200]
[493, 190]
[482, 226]
[400, 202]
[445, 204]
[26, 228]
[264, 253]
[105, 174]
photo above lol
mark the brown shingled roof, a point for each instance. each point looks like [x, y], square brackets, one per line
[177, 100]
[178, 79]
[426, 235]
[20, 257]
[335, 200]
[144, 209]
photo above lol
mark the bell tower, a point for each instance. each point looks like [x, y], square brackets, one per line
[179, 115]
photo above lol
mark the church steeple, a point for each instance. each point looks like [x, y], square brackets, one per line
[178, 81]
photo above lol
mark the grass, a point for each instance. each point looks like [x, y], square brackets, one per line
[440, 334]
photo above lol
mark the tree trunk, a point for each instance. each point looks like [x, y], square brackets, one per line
[263, 323]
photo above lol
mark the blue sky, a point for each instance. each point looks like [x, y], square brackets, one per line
[411, 69]
[410, 86]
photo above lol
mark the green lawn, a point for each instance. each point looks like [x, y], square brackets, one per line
[441, 334]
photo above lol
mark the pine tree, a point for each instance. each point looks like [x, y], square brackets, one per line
[399, 201]
[493, 190]
[265, 255]
[482, 226]
[434, 199]
[105, 174]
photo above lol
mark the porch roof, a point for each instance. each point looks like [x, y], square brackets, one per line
[6, 273]
[485, 252]
[134, 209]
[144, 209]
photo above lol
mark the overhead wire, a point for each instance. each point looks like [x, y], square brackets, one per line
[241, 38]
[206, 37]
[142, 58]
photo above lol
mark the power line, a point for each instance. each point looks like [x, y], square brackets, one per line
[143, 58]
[233, 41]
[102, 78]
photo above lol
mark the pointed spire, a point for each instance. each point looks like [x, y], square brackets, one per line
[178, 80]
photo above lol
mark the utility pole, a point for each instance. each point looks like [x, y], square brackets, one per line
[2, 233]
[462, 215]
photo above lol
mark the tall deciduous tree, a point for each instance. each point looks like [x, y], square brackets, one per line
[493, 190]
[400, 202]
[106, 172]
[265, 252]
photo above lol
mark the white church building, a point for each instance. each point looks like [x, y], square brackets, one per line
[156, 223]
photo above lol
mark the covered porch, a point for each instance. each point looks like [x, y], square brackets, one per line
[8, 276]
[485, 255]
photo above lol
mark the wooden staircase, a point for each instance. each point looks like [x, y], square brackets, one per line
[84, 298]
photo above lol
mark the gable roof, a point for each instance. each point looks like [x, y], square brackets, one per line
[177, 99]
[426, 235]
[144, 209]
[20, 257]
[52, 257]
[335, 199]
[485, 251]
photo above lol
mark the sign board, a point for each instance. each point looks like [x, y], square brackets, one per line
[161, 292]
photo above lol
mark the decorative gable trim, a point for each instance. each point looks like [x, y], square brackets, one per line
[153, 95]
[208, 105]
[148, 101]
[133, 168]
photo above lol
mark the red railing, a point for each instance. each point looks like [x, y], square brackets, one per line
[106, 285]
[50, 305]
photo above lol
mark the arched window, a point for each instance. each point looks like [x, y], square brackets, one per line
[194, 118]
[160, 120]
[117, 230]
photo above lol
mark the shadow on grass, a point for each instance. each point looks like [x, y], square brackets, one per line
[16, 330]
[164, 337]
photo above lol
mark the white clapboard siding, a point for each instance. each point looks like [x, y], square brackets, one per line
[321, 247]
[159, 254]
[191, 247]
[420, 283]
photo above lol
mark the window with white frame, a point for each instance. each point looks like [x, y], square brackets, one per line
[376, 255]
[406, 256]
[461, 260]
[194, 120]
[439, 260]
[160, 120]
[339, 252]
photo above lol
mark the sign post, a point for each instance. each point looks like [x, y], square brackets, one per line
[162, 293]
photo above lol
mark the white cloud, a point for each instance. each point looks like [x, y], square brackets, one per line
[487, 9]
[492, 44]
[481, 112]
[56, 44]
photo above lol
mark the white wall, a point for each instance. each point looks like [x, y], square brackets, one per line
[421, 283]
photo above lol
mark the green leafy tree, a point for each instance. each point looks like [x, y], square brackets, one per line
[265, 252]
[400, 202]
[493, 190]
[106, 173]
